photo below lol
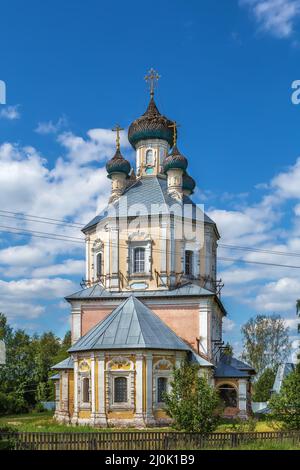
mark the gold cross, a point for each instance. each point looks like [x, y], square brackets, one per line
[152, 78]
[117, 129]
[174, 126]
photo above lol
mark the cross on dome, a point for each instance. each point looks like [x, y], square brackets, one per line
[152, 78]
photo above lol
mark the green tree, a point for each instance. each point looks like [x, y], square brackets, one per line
[24, 379]
[266, 342]
[285, 406]
[192, 402]
[263, 386]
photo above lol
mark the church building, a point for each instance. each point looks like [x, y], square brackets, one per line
[150, 298]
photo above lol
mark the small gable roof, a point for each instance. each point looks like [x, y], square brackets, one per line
[65, 364]
[131, 325]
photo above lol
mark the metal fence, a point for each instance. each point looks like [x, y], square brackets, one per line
[138, 440]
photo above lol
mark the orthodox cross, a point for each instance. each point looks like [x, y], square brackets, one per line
[174, 126]
[117, 129]
[152, 78]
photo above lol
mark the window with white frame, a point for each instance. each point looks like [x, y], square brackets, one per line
[98, 264]
[139, 260]
[162, 386]
[188, 267]
[120, 390]
[85, 390]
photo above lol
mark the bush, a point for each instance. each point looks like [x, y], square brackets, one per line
[192, 402]
[285, 406]
[12, 403]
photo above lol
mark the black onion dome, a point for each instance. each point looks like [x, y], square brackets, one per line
[118, 164]
[175, 161]
[151, 125]
[188, 183]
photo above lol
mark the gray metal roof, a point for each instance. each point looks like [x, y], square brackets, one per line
[99, 292]
[199, 360]
[282, 372]
[147, 192]
[55, 377]
[236, 363]
[65, 364]
[226, 371]
[131, 325]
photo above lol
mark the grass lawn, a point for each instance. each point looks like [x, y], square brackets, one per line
[44, 422]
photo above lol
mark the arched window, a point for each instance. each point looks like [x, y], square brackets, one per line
[139, 260]
[99, 265]
[120, 390]
[229, 395]
[162, 383]
[149, 157]
[188, 270]
[85, 390]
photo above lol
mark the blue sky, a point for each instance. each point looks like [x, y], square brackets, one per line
[73, 69]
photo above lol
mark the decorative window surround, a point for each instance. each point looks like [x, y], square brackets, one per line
[111, 374]
[162, 369]
[147, 245]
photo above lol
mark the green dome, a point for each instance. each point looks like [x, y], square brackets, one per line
[188, 183]
[175, 161]
[118, 164]
[151, 125]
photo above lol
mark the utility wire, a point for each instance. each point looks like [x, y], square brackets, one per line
[81, 241]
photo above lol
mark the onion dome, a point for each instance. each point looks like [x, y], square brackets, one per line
[118, 164]
[151, 125]
[188, 183]
[175, 161]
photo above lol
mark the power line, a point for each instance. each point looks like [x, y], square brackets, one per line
[51, 221]
[52, 236]
[43, 233]
[259, 250]
[40, 236]
[24, 215]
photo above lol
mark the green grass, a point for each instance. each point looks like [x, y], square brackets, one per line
[44, 422]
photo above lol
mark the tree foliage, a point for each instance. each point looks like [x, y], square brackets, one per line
[263, 386]
[266, 342]
[192, 402]
[24, 379]
[285, 405]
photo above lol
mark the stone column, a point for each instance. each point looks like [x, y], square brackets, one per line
[114, 243]
[76, 323]
[149, 418]
[163, 252]
[100, 416]
[93, 386]
[242, 398]
[75, 412]
[64, 400]
[139, 420]
[87, 259]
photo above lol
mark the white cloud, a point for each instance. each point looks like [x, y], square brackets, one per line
[10, 112]
[51, 127]
[75, 188]
[276, 17]
[69, 267]
[228, 325]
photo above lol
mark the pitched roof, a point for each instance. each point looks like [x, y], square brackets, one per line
[99, 292]
[65, 364]
[147, 192]
[224, 370]
[131, 325]
[241, 365]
